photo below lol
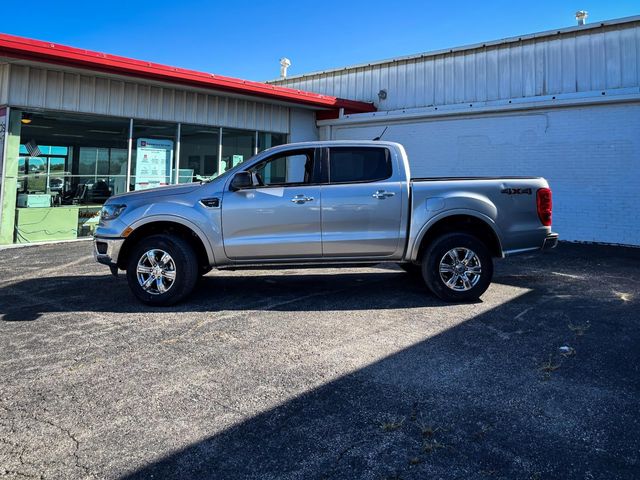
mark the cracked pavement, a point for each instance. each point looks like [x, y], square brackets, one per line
[324, 373]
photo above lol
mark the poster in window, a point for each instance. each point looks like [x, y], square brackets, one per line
[154, 159]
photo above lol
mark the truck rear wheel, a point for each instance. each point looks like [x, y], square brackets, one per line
[162, 269]
[457, 267]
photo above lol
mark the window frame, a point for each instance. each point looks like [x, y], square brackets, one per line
[327, 163]
[315, 167]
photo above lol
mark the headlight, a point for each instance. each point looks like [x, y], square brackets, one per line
[109, 212]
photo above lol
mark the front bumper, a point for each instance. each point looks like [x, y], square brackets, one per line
[551, 241]
[106, 250]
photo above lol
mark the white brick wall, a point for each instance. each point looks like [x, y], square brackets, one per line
[589, 154]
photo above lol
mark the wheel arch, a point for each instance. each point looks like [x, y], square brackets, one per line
[176, 226]
[474, 223]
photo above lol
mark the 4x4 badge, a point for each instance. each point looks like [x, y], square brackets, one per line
[516, 191]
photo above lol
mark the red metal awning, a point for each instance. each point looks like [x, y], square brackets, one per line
[47, 52]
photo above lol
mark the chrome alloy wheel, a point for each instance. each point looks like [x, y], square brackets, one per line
[460, 269]
[156, 272]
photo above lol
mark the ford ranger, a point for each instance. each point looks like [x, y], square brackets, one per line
[332, 203]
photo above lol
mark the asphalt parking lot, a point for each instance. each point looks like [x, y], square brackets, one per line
[323, 374]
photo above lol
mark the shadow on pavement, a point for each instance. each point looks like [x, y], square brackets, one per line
[490, 398]
[29, 299]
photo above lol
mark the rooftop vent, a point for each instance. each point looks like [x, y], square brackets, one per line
[284, 64]
[581, 17]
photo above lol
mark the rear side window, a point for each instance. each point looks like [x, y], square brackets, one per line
[358, 164]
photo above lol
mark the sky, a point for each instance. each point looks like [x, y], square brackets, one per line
[247, 39]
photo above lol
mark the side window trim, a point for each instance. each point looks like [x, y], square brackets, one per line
[388, 159]
[321, 166]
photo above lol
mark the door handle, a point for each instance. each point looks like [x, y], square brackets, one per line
[300, 199]
[380, 194]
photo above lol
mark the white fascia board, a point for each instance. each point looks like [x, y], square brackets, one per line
[620, 95]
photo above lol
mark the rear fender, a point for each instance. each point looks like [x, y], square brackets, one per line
[412, 253]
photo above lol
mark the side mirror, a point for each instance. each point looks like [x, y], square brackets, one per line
[242, 180]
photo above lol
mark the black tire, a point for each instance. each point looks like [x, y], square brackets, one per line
[412, 269]
[458, 292]
[204, 269]
[186, 269]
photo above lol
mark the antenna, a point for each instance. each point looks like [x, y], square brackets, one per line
[380, 136]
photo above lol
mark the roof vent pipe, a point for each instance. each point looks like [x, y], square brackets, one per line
[581, 17]
[284, 64]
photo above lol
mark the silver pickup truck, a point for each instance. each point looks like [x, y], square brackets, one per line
[330, 203]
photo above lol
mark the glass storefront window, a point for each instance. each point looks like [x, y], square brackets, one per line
[237, 146]
[268, 140]
[96, 164]
[69, 165]
[198, 153]
[43, 173]
[152, 156]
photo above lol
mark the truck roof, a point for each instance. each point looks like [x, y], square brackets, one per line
[329, 143]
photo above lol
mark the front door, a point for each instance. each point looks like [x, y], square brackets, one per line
[280, 218]
[362, 204]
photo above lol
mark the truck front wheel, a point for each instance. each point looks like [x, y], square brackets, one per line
[457, 267]
[162, 269]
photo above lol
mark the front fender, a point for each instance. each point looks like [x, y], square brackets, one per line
[203, 222]
[176, 219]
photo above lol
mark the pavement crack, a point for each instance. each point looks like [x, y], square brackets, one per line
[18, 473]
[522, 313]
[226, 407]
[341, 454]
[65, 431]
[72, 437]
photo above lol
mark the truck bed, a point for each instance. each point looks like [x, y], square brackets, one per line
[509, 202]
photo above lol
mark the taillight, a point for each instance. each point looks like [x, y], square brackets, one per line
[545, 205]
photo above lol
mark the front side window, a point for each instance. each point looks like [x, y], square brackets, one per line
[289, 168]
[359, 164]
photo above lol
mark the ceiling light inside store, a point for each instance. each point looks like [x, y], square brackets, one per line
[66, 135]
[105, 131]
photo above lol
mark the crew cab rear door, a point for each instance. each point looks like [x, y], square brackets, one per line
[279, 218]
[361, 204]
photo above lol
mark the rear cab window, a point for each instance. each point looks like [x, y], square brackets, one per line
[359, 164]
